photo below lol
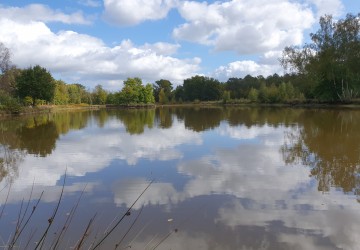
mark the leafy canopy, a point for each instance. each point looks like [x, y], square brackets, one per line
[331, 62]
[37, 83]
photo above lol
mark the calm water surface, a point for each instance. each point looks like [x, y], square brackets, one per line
[224, 178]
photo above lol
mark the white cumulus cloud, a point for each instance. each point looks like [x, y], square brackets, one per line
[82, 58]
[329, 7]
[242, 68]
[40, 12]
[162, 48]
[249, 26]
[132, 12]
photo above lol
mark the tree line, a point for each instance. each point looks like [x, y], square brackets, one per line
[325, 70]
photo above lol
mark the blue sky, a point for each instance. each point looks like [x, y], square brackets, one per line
[104, 42]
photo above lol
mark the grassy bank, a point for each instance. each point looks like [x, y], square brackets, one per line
[241, 102]
[130, 106]
[246, 103]
[49, 109]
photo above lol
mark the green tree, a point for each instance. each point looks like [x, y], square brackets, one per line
[148, 94]
[166, 85]
[111, 98]
[331, 62]
[78, 94]
[253, 95]
[61, 94]
[99, 95]
[131, 92]
[283, 95]
[263, 93]
[9, 103]
[226, 96]
[273, 94]
[273, 79]
[202, 88]
[240, 88]
[162, 97]
[179, 93]
[8, 81]
[134, 92]
[37, 83]
[287, 92]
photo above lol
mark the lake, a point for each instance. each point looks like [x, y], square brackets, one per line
[211, 178]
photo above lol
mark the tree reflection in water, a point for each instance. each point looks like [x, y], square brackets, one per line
[227, 157]
[38, 139]
[36, 135]
[328, 141]
[135, 120]
[10, 160]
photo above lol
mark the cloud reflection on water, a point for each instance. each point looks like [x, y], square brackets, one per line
[263, 190]
[92, 149]
[249, 186]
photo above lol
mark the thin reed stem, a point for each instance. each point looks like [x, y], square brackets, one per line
[125, 214]
[7, 197]
[26, 222]
[51, 219]
[4, 187]
[139, 233]
[137, 217]
[86, 233]
[164, 238]
[68, 220]
[28, 203]
[30, 237]
[176, 229]
[20, 220]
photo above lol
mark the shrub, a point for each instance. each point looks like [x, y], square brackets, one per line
[28, 101]
[253, 95]
[9, 103]
[226, 96]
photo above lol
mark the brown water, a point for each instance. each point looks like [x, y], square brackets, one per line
[224, 178]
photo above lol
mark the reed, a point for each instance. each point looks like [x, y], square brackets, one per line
[26, 214]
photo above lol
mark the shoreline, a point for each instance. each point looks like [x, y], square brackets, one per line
[55, 108]
[355, 105]
[50, 109]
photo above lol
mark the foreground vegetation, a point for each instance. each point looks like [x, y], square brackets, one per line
[325, 70]
[51, 238]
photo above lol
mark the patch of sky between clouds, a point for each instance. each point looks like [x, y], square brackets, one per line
[90, 3]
